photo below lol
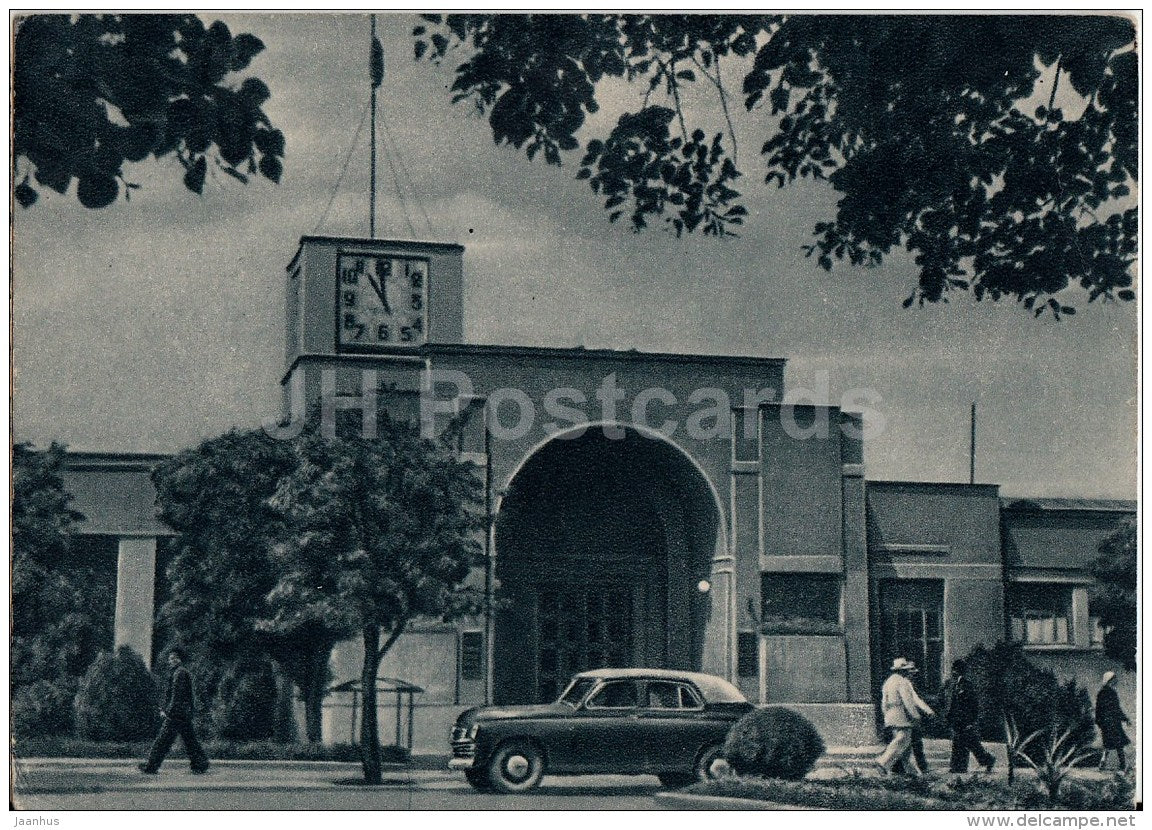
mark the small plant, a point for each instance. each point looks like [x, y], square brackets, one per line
[1057, 758]
[774, 742]
[1012, 744]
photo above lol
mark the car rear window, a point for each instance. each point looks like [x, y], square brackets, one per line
[668, 695]
[718, 690]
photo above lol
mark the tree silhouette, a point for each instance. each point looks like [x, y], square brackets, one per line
[215, 496]
[386, 531]
[91, 92]
[1000, 151]
[1114, 595]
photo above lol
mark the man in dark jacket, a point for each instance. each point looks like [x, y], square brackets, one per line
[963, 712]
[1111, 719]
[177, 715]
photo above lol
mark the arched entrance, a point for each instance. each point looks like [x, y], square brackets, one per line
[601, 541]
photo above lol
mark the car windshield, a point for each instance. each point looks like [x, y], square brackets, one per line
[576, 691]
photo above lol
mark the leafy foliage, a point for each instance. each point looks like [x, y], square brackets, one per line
[386, 530]
[58, 621]
[938, 132]
[1114, 595]
[1011, 688]
[43, 707]
[117, 699]
[246, 702]
[773, 742]
[92, 92]
[216, 497]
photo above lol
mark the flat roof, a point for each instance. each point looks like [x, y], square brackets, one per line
[1049, 505]
[90, 460]
[930, 485]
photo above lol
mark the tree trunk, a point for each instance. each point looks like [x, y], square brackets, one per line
[369, 730]
[314, 695]
[284, 725]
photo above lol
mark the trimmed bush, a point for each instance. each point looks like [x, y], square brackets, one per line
[43, 708]
[246, 702]
[1010, 685]
[116, 700]
[774, 742]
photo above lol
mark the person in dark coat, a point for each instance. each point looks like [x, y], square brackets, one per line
[1111, 719]
[177, 715]
[962, 714]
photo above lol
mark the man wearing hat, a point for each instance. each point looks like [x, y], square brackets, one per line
[1111, 719]
[902, 709]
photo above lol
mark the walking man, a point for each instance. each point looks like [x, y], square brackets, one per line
[1111, 719]
[177, 715]
[917, 734]
[902, 708]
[963, 712]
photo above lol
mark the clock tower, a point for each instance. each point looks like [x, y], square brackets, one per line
[358, 304]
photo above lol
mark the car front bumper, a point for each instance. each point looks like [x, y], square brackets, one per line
[461, 763]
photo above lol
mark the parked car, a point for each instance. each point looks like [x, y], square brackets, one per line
[668, 723]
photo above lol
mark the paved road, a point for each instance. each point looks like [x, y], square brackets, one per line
[60, 784]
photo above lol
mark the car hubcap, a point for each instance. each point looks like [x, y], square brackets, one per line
[517, 766]
[718, 768]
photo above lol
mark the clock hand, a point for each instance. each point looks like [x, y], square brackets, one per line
[378, 287]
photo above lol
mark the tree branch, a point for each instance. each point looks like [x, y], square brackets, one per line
[669, 71]
[719, 84]
[1055, 83]
[392, 638]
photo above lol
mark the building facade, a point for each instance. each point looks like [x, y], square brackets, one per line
[661, 510]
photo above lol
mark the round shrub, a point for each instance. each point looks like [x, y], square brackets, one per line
[43, 708]
[773, 742]
[117, 699]
[246, 702]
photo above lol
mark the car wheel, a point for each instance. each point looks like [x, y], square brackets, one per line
[478, 778]
[516, 767]
[711, 764]
[676, 780]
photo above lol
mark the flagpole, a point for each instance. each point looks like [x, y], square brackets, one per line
[372, 139]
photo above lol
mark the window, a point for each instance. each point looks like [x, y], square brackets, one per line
[665, 695]
[472, 655]
[800, 603]
[748, 654]
[911, 613]
[1041, 613]
[1096, 631]
[618, 695]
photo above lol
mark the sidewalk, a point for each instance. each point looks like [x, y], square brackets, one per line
[76, 775]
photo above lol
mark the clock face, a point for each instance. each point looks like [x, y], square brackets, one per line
[381, 300]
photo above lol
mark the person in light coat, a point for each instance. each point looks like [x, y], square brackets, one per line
[902, 709]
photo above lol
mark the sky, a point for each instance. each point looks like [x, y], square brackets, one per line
[152, 324]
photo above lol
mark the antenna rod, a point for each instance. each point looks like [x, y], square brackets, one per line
[972, 448]
[372, 140]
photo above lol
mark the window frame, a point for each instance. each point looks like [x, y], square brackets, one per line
[1044, 603]
[588, 704]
